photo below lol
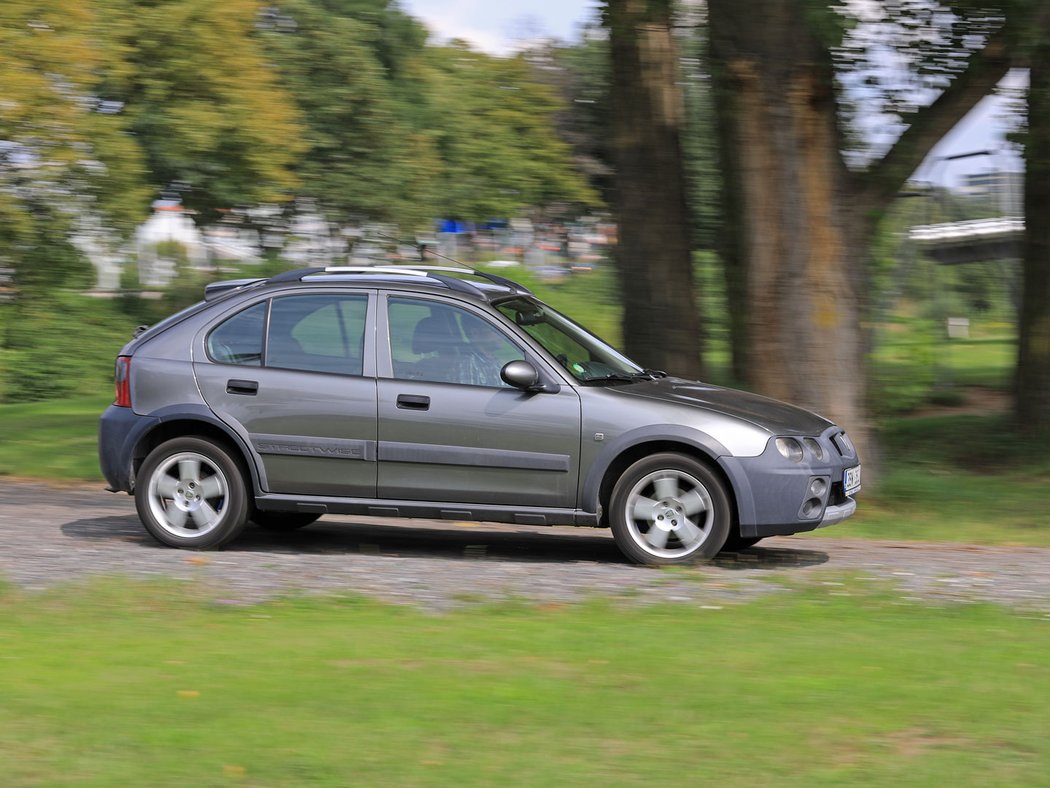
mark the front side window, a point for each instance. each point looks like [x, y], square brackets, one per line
[446, 344]
[317, 333]
[239, 339]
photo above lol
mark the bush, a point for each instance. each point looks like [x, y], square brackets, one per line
[61, 344]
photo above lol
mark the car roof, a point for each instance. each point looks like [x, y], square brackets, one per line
[478, 284]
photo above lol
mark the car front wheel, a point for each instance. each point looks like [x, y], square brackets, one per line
[191, 494]
[669, 509]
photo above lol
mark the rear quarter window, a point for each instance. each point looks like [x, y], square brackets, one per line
[239, 339]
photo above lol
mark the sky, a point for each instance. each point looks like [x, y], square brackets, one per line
[495, 26]
[499, 26]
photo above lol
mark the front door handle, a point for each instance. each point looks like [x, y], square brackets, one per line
[413, 402]
[249, 387]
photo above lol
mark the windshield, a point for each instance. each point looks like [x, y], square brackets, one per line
[584, 356]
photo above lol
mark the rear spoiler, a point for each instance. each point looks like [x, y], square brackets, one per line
[215, 289]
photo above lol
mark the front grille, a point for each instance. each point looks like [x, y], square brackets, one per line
[838, 494]
[844, 445]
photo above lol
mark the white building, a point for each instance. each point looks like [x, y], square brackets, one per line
[168, 224]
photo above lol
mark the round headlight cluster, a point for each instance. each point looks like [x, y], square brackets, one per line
[790, 449]
[815, 448]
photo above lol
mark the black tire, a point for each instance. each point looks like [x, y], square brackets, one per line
[735, 543]
[191, 494]
[666, 492]
[282, 521]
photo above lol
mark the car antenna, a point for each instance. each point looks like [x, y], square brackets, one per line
[423, 251]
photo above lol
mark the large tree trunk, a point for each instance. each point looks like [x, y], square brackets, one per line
[801, 239]
[731, 241]
[1033, 357]
[661, 325]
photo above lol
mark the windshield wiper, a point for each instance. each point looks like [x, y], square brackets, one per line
[624, 377]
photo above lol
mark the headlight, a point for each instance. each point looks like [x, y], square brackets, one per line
[790, 449]
[814, 447]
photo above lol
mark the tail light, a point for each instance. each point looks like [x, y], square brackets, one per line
[122, 382]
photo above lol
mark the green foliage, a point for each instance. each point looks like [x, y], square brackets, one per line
[352, 67]
[115, 682]
[61, 345]
[580, 74]
[203, 101]
[62, 159]
[493, 134]
[905, 370]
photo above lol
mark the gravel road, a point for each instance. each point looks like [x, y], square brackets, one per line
[56, 534]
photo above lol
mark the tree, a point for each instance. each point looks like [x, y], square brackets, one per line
[353, 68]
[495, 135]
[661, 324]
[202, 100]
[1032, 382]
[803, 219]
[579, 72]
[63, 155]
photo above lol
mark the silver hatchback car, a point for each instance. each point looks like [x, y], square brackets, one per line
[411, 391]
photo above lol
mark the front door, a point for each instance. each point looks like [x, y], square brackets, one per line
[306, 398]
[451, 430]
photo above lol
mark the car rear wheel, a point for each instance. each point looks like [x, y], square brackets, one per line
[669, 509]
[282, 521]
[191, 494]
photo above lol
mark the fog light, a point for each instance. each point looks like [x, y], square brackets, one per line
[818, 487]
[815, 448]
[790, 449]
[810, 508]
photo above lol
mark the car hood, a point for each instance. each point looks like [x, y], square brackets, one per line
[777, 417]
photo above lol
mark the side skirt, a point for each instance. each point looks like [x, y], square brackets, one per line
[436, 510]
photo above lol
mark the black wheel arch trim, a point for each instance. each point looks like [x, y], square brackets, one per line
[204, 414]
[698, 440]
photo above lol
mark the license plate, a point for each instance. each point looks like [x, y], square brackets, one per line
[851, 480]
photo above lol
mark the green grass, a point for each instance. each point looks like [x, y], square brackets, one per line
[965, 478]
[121, 684]
[915, 364]
[55, 440]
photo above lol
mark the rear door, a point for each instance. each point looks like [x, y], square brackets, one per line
[450, 429]
[295, 375]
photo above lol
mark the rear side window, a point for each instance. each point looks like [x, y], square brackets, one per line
[317, 333]
[239, 340]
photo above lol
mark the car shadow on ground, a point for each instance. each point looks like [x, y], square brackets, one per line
[437, 540]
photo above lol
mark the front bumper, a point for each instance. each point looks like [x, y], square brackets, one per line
[772, 491]
[836, 513]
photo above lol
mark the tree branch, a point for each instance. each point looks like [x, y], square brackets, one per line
[883, 179]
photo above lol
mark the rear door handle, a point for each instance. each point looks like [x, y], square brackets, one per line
[413, 402]
[249, 387]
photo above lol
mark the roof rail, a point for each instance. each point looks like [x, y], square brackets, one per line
[295, 274]
[373, 269]
[435, 272]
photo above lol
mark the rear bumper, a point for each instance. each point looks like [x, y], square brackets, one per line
[119, 432]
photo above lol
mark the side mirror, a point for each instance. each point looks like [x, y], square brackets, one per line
[520, 374]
